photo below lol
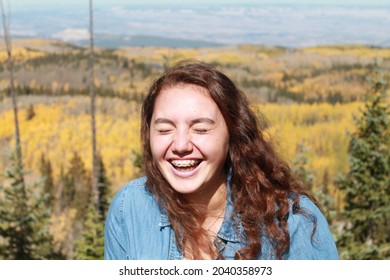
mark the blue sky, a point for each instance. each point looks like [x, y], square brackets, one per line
[198, 1]
[296, 24]
[29, 3]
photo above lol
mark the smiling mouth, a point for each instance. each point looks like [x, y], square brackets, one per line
[185, 165]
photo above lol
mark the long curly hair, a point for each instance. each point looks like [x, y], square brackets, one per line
[262, 184]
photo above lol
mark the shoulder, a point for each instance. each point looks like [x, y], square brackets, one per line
[130, 203]
[307, 205]
[133, 193]
[310, 234]
[136, 186]
[125, 218]
[308, 214]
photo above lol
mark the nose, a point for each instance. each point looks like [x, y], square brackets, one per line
[182, 142]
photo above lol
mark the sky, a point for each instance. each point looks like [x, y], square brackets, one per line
[33, 5]
[29, 3]
[291, 23]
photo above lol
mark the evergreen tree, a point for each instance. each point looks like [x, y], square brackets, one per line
[323, 195]
[366, 186]
[24, 219]
[75, 194]
[76, 186]
[91, 244]
[103, 190]
[307, 175]
[48, 181]
[301, 168]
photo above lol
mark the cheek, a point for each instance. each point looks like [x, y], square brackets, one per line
[215, 148]
[223, 147]
[153, 146]
[158, 146]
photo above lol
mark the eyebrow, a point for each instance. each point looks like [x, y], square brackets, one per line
[195, 121]
[163, 120]
[203, 120]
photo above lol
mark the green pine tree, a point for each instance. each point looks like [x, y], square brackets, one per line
[326, 199]
[76, 186]
[24, 219]
[91, 244]
[366, 186]
[307, 175]
[301, 169]
[48, 181]
[103, 190]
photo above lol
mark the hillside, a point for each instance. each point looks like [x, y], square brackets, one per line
[266, 74]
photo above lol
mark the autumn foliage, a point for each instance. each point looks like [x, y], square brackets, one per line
[309, 97]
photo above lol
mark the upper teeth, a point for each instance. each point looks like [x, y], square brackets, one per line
[184, 163]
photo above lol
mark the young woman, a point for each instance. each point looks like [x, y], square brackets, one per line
[214, 186]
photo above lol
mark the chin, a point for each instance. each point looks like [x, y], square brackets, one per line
[185, 188]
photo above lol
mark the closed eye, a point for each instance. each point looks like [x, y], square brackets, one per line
[163, 126]
[201, 131]
[164, 131]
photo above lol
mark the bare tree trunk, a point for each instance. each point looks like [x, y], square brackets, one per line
[8, 46]
[95, 171]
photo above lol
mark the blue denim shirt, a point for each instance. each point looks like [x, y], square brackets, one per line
[137, 229]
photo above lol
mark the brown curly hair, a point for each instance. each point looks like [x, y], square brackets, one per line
[262, 184]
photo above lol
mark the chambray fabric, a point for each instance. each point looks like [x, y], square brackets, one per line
[137, 229]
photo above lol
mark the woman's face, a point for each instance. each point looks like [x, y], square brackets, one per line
[189, 139]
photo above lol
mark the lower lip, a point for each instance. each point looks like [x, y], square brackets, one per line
[185, 174]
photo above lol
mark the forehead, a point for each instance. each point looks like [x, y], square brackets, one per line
[185, 99]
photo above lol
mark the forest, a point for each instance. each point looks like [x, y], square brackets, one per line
[326, 107]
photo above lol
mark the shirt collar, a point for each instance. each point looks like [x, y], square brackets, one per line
[227, 231]
[164, 220]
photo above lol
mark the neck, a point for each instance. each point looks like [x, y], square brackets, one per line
[210, 203]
